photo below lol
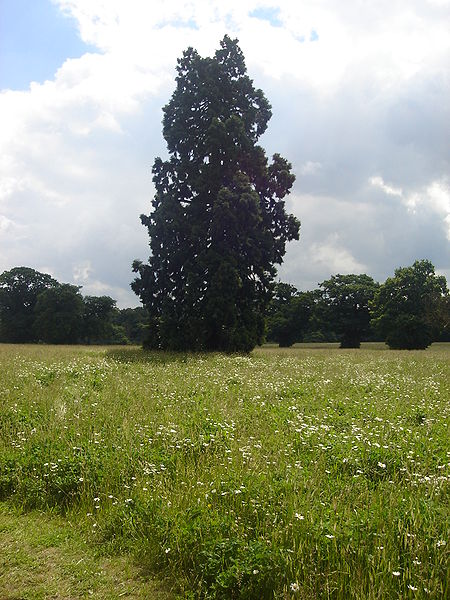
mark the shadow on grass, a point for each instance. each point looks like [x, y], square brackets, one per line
[135, 354]
[326, 346]
[160, 357]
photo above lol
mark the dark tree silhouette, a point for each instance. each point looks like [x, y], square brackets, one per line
[346, 301]
[59, 315]
[19, 289]
[410, 309]
[219, 224]
[98, 316]
[289, 314]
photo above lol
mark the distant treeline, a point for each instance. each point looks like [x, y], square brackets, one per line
[34, 308]
[409, 311]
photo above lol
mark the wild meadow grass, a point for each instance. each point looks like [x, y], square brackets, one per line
[304, 473]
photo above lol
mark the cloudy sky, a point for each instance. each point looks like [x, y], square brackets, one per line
[360, 94]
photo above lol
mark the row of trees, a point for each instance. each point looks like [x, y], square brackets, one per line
[410, 310]
[34, 307]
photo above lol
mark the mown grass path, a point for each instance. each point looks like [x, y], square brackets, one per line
[44, 557]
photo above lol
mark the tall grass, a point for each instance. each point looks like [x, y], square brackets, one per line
[307, 473]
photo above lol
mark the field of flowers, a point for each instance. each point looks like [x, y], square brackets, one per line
[304, 473]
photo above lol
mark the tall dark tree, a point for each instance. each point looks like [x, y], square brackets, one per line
[219, 224]
[410, 309]
[19, 289]
[346, 301]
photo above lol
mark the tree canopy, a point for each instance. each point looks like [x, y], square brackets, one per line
[410, 310]
[99, 312]
[346, 304]
[59, 315]
[19, 291]
[411, 307]
[289, 314]
[34, 307]
[218, 225]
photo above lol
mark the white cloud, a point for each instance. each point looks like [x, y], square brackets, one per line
[378, 182]
[362, 103]
[81, 272]
[438, 194]
[310, 168]
[394, 39]
[5, 223]
[332, 254]
[434, 197]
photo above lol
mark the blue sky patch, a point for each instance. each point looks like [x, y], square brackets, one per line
[35, 40]
[270, 14]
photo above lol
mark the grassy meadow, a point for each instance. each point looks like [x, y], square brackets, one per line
[304, 473]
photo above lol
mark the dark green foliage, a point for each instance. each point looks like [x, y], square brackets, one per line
[289, 314]
[59, 315]
[442, 317]
[229, 568]
[218, 225]
[345, 301]
[319, 327]
[133, 322]
[411, 308]
[99, 312]
[45, 486]
[19, 289]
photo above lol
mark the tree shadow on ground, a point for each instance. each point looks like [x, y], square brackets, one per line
[159, 357]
